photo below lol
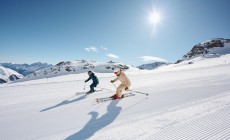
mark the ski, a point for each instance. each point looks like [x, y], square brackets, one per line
[100, 100]
[80, 93]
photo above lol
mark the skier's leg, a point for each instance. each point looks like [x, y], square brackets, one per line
[92, 87]
[119, 89]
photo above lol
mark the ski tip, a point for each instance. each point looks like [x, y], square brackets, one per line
[97, 100]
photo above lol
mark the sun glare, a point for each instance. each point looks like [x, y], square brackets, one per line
[155, 17]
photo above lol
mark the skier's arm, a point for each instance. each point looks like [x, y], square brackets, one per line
[88, 79]
[114, 80]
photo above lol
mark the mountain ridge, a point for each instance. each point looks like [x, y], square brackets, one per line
[7, 75]
[208, 49]
[26, 69]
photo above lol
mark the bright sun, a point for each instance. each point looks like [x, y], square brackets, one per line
[155, 17]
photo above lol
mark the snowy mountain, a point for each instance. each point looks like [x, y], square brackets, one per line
[208, 49]
[7, 75]
[26, 69]
[185, 102]
[75, 67]
[151, 66]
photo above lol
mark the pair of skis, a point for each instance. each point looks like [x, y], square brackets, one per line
[105, 99]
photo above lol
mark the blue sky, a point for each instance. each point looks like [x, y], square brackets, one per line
[120, 30]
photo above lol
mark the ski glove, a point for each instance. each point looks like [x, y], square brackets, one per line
[126, 89]
[112, 81]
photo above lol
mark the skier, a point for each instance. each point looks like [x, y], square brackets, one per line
[125, 83]
[95, 81]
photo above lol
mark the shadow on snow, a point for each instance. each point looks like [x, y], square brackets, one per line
[95, 124]
[65, 103]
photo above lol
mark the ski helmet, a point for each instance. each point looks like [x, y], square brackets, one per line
[90, 72]
[117, 71]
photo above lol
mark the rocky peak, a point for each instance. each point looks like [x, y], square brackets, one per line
[216, 46]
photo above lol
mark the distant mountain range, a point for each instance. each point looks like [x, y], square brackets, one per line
[26, 69]
[7, 75]
[74, 67]
[10, 72]
[151, 66]
[208, 49]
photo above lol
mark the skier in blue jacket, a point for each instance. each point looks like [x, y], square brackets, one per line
[95, 81]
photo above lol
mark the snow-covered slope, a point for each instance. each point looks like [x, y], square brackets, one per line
[152, 66]
[7, 75]
[197, 62]
[75, 67]
[208, 49]
[26, 69]
[186, 101]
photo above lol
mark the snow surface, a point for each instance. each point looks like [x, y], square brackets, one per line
[186, 101]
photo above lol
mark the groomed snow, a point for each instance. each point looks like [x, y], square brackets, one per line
[186, 101]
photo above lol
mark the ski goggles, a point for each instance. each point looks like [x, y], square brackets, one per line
[116, 73]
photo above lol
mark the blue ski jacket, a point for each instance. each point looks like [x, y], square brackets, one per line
[94, 78]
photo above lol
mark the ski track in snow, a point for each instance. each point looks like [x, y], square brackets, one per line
[206, 118]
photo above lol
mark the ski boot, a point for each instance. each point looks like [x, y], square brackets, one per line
[91, 91]
[115, 96]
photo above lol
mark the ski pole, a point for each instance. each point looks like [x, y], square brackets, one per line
[84, 85]
[114, 85]
[104, 88]
[139, 92]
